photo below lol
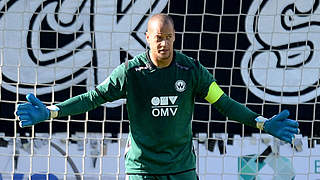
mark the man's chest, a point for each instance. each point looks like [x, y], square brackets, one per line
[161, 93]
[171, 81]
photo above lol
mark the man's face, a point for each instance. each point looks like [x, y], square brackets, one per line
[160, 37]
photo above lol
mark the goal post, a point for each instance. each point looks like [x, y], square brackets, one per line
[263, 53]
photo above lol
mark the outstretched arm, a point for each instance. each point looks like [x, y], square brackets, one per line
[111, 89]
[279, 126]
[34, 111]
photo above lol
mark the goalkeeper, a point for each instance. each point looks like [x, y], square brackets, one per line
[160, 86]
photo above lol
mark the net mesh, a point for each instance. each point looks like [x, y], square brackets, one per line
[264, 54]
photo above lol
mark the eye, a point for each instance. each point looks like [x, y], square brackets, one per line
[159, 38]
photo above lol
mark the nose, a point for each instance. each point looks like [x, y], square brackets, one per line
[163, 43]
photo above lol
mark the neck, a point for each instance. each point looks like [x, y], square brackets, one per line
[160, 63]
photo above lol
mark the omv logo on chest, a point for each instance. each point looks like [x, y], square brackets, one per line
[164, 106]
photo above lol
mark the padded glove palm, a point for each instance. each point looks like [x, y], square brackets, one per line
[282, 127]
[32, 112]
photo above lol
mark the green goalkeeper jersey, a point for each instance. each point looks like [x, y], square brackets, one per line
[160, 105]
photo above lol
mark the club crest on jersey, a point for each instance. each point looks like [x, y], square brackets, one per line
[180, 85]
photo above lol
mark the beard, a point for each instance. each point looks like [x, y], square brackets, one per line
[164, 55]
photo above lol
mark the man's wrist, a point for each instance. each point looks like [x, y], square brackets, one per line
[260, 120]
[54, 111]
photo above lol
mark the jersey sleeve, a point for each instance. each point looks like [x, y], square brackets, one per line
[210, 90]
[113, 88]
[203, 80]
[235, 111]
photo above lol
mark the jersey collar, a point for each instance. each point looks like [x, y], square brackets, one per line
[152, 66]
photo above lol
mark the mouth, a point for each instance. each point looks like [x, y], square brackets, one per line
[162, 51]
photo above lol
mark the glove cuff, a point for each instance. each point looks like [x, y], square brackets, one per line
[54, 111]
[260, 122]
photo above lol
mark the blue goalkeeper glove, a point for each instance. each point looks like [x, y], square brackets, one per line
[32, 112]
[282, 127]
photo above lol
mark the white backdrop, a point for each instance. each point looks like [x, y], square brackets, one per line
[280, 164]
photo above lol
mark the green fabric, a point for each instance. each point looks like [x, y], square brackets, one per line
[80, 104]
[235, 111]
[160, 116]
[112, 88]
[160, 105]
[189, 175]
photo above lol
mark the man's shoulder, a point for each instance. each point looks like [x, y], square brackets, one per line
[136, 61]
[184, 60]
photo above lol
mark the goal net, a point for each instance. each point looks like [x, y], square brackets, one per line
[263, 53]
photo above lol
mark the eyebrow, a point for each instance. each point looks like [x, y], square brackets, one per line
[163, 33]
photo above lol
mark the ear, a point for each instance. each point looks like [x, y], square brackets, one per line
[174, 36]
[148, 37]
